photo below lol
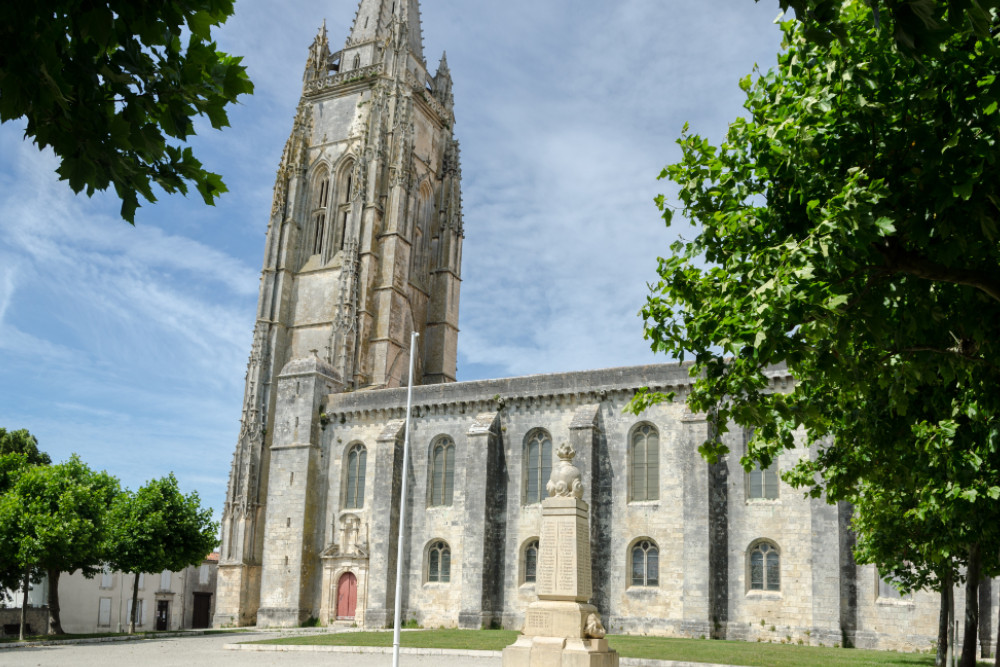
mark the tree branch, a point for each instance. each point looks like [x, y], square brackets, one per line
[904, 261]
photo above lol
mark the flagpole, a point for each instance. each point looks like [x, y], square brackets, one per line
[402, 507]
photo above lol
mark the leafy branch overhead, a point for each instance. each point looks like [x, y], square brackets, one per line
[919, 27]
[113, 88]
[848, 230]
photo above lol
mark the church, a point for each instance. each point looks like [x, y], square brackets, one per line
[364, 246]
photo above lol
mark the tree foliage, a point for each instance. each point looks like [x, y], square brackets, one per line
[919, 27]
[52, 520]
[22, 442]
[158, 528]
[848, 228]
[113, 87]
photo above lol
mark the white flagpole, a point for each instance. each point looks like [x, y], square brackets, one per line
[402, 507]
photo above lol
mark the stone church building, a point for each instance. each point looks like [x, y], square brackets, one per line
[363, 247]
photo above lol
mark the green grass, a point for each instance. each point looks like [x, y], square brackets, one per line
[752, 654]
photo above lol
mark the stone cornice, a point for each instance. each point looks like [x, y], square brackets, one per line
[558, 390]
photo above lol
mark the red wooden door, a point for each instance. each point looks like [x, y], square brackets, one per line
[347, 596]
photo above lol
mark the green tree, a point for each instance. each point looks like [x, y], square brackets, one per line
[112, 87]
[158, 528]
[848, 228]
[18, 450]
[52, 520]
[918, 26]
[22, 442]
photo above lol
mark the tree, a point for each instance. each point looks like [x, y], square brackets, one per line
[158, 528]
[52, 520]
[849, 229]
[18, 451]
[918, 26]
[104, 84]
[22, 442]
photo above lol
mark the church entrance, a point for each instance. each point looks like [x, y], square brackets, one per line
[347, 596]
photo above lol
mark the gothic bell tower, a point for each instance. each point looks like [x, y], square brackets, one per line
[364, 245]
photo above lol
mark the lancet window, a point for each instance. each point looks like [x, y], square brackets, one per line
[355, 483]
[537, 465]
[645, 563]
[442, 472]
[644, 451]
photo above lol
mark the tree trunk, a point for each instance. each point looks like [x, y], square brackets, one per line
[135, 604]
[55, 624]
[971, 608]
[942, 643]
[24, 602]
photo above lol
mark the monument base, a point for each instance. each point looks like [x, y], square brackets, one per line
[555, 635]
[559, 652]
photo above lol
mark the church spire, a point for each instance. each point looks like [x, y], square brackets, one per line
[374, 20]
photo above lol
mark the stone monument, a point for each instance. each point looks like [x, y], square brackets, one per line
[562, 628]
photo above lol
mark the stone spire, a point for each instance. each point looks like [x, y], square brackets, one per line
[374, 20]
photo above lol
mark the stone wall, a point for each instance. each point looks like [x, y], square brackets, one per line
[701, 520]
[10, 621]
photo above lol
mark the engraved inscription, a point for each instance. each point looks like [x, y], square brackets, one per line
[538, 622]
[583, 565]
[548, 543]
[566, 573]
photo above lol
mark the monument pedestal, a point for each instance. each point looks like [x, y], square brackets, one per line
[561, 628]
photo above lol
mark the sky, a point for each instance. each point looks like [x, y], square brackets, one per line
[128, 345]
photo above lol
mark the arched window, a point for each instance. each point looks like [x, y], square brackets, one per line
[438, 562]
[537, 465]
[344, 184]
[887, 588]
[319, 215]
[421, 231]
[765, 567]
[356, 458]
[645, 469]
[645, 563]
[529, 563]
[442, 472]
[761, 482]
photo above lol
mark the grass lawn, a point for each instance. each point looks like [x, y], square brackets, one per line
[752, 654]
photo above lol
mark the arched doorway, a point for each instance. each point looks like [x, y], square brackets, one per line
[347, 596]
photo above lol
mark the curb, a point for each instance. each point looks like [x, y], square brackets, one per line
[100, 640]
[457, 653]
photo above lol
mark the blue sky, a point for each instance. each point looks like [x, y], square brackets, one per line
[128, 345]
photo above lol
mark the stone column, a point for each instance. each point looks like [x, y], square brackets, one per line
[561, 628]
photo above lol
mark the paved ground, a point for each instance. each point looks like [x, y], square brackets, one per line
[208, 650]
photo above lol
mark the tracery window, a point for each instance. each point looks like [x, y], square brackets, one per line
[644, 452]
[320, 214]
[645, 563]
[761, 482]
[765, 567]
[442, 472]
[439, 562]
[356, 460]
[344, 185]
[538, 465]
[530, 562]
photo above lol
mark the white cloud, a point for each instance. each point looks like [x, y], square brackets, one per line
[129, 344]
